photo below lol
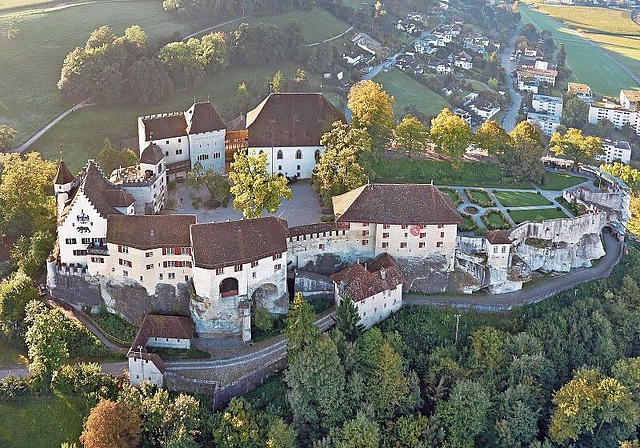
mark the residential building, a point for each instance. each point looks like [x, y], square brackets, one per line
[498, 248]
[582, 91]
[530, 85]
[630, 99]
[546, 123]
[196, 135]
[444, 67]
[483, 109]
[463, 60]
[551, 105]
[544, 76]
[375, 288]
[615, 151]
[288, 127]
[615, 113]
[466, 116]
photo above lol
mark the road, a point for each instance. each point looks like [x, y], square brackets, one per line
[509, 120]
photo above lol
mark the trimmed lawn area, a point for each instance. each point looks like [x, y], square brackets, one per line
[588, 64]
[31, 62]
[11, 354]
[494, 219]
[560, 181]
[40, 422]
[479, 197]
[539, 214]
[468, 224]
[453, 195]
[409, 93]
[520, 198]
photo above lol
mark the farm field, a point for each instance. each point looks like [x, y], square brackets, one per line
[32, 60]
[39, 422]
[409, 93]
[520, 198]
[588, 64]
[539, 214]
[560, 181]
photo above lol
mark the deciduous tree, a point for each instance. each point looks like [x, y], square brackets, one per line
[111, 424]
[217, 186]
[361, 432]
[372, 109]
[254, 189]
[575, 112]
[492, 137]
[7, 135]
[575, 146]
[522, 160]
[110, 158]
[450, 133]
[15, 293]
[411, 135]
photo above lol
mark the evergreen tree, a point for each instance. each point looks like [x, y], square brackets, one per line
[347, 319]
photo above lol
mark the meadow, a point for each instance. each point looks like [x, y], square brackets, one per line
[410, 94]
[588, 63]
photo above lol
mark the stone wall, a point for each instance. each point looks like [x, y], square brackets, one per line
[565, 230]
[429, 275]
[312, 284]
[560, 257]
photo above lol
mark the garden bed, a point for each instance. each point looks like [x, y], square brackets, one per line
[480, 197]
[468, 224]
[453, 195]
[495, 219]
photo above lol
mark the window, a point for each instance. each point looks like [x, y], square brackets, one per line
[298, 167]
[385, 234]
[123, 249]
[168, 251]
[179, 140]
[423, 235]
[277, 267]
[504, 249]
[365, 224]
[79, 253]
[149, 266]
[403, 226]
[122, 262]
[148, 254]
[97, 260]
[254, 264]
[125, 273]
[440, 226]
[167, 142]
[365, 242]
[421, 245]
[254, 275]
[160, 276]
[70, 241]
[365, 233]
[321, 246]
[185, 251]
[439, 244]
[298, 155]
[141, 278]
[441, 234]
[279, 167]
[237, 268]
[171, 275]
[386, 226]
[403, 245]
[202, 157]
[277, 256]
[219, 271]
[385, 245]
[178, 151]
[279, 154]
[495, 249]
[86, 240]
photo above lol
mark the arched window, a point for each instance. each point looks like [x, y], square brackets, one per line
[316, 155]
[229, 287]
[298, 154]
[279, 155]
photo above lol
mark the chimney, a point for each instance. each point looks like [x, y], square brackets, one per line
[383, 274]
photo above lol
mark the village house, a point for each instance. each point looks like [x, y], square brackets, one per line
[375, 288]
[196, 135]
[582, 91]
[288, 127]
[630, 99]
[463, 60]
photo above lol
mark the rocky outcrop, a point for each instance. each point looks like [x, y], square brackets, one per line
[429, 275]
[562, 256]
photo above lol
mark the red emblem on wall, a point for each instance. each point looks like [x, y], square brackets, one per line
[415, 230]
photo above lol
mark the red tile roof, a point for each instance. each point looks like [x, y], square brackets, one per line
[219, 244]
[152, 154]
[154, 358]
[169, 126]
[146, 232]
[157, 326]
[396, 204]
[291, 119]
[381, 274]
[498, 237]
[202, 117]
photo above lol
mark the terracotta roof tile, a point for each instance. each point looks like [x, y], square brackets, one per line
[312, 228]
[498, 237]
[150, 231]
[152, 154]
[220, 244]
[396, 204]
[63, 176]
[170, 126]
[291, 119]
[202, 117]
[359, 282]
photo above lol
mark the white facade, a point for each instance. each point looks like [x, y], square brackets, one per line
[376, 308]
[290, 161]
[551, 105]
[615, 114]
[208, 149]
[546, 123]
[615, 151]
[144, 369]
[498, 255]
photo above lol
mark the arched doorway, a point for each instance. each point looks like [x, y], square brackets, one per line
[229, 287]
[265, 294]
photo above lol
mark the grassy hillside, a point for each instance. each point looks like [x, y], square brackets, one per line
[587, 62]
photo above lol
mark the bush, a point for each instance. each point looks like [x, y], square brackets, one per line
[115, 326]
[263, 320]
[86, 380]
[12, 386]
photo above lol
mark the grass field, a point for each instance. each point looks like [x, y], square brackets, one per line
[31, 61]
[520, 198]
[493, 219]
[39, 422]
[560, 181]
[468, 224]
[453, 195]
[10, 354]
[479, 197]
[409, 93]
[540, 214]
[587, 62]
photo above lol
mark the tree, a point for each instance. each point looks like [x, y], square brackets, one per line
[492, 137]
[26, 200]
[575, 112]
[280, 435]
[16, 292]
[7, 135]
[183, 62]
[575, 146]
[278, 82]
[46, 341]
[388, 386]
[347, 319]
[344, 165]
[301, 329]
[149, 82]
[372, 109]
[411, 135]
[111, 424]
[242, 98]
[361, 432]
[561, 56]
[213, 52]
[522, 160]
[217, 186]
[110, 159]
[254, 189]
[589, 401]
[450, 133]
[30, 253]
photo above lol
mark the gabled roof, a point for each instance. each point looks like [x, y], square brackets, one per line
[146, 232]
[498, 237]
[219, 244]
[157, 326]
[153, 357]
[105, 196]
[381, 274]
[396, 204]
[152, 154]
[63, 176]
[161, 127]
[291, 119]
[202, 117]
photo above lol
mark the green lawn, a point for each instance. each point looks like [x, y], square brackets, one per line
[520, 198]
[31, 61]
[539, 214]
[493, 219]
[587, 63]
[479, 197]
[560, 181]
[453, 195]
[39, 422]
[468, 224]
[409, 93]
[10, 354]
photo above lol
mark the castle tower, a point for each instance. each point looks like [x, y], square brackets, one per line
[62, 185]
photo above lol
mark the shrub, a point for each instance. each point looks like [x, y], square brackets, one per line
[12, 386]
[263, 320]
[86, 380]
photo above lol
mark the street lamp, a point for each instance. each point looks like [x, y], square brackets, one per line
[457, 316]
